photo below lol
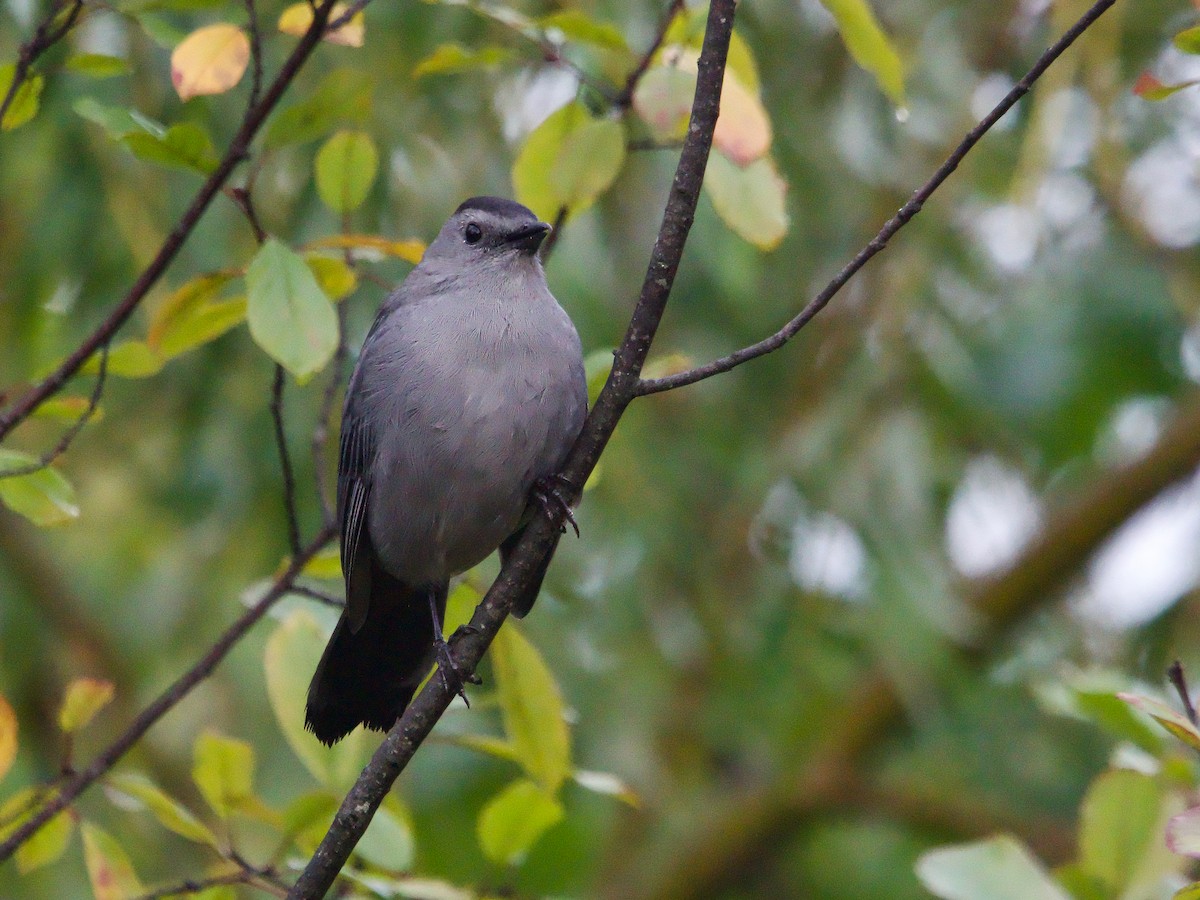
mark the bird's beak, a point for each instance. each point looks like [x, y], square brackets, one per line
[528, 238]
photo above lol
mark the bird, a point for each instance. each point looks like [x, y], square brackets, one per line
[466, 398]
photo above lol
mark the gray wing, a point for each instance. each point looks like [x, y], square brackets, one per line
[356, 454]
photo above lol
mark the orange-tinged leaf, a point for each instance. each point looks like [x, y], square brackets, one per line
[743, 131]
[210, 60]
[85, 697]
[1175, 722]
[296, 19]
[8, 736]
[108, 866]
[1150, 88]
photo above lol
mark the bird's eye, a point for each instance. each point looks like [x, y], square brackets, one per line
[472, 233]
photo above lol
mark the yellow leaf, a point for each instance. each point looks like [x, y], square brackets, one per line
[743, 131]
[85, 697]
[410, 251]
[108, 866]
[297, 18]
[210, 60]
[8, 736]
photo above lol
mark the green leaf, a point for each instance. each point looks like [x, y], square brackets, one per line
[183, 146]
[567, 161]
[109, 869]
[1188, 40]
[999, 868]
[512, 821]
[290, 658]
[750, 200]
[98, 65]
[8, 736]
[325, 565]
[576, 25]
[1191, 892]
[202, 324]
[66, 408]
[290, 317]
[588, 162]
[343, 97]
[24, 105]
[161, 29]
[869, 45]
[1166, 716]
[44, 497]
[115, 120]
[532, 709]
[487, 744]
[308, 817]
[169, 812]
[335, 277]
[46, 844]
[452, 58]
[223, 769]
[84, 698]
[346, 167]
[129, 359]
[388, 842]
[1117, 823]
[1183, 833]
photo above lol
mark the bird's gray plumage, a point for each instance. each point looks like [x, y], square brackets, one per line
[469, 389]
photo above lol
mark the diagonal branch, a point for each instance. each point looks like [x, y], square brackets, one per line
[237, 151]
[46, 36]
[66, 792]
[894, 224]
[540, 537]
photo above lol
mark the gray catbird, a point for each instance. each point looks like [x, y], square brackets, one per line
[465, 401]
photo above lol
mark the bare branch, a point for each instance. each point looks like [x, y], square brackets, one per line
[265, 878]
[894, 224]
[625, 98]
[256, 66]
[1179, 682]
[237, 151]
[69, 789]
[285, 462]
[541, 536]
[548, 245]
[71, 433]
[321, 596]
[46, 36]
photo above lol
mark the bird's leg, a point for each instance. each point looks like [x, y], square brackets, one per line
[546, 492]
[452, 677]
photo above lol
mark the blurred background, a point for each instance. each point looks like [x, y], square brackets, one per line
[829, 610]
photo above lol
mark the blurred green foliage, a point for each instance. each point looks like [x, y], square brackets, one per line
[755, 546]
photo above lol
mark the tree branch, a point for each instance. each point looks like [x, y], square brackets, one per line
[71, 433]
[541, 536]
[75, 785]
[894, 224]
[45, 37]
[237, 151]
[625, 98]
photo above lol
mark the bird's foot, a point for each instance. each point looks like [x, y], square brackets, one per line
[546, 491]
[454, 678]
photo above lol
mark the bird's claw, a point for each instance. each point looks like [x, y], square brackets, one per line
[454, 679]
[546, 492]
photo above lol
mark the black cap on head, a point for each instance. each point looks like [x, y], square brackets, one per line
[498, 206]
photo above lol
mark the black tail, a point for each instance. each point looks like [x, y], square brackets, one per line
[369, 676]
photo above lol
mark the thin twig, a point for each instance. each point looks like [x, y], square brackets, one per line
[625, 98]
[313, 593]
[548, 245]
[894, 224]
[1176, 677]
[285, 462]
[237, 151]
[71, 433]
[262, 877]
[256, 66]
[72, 787]
[44, 37]
[540, 537]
